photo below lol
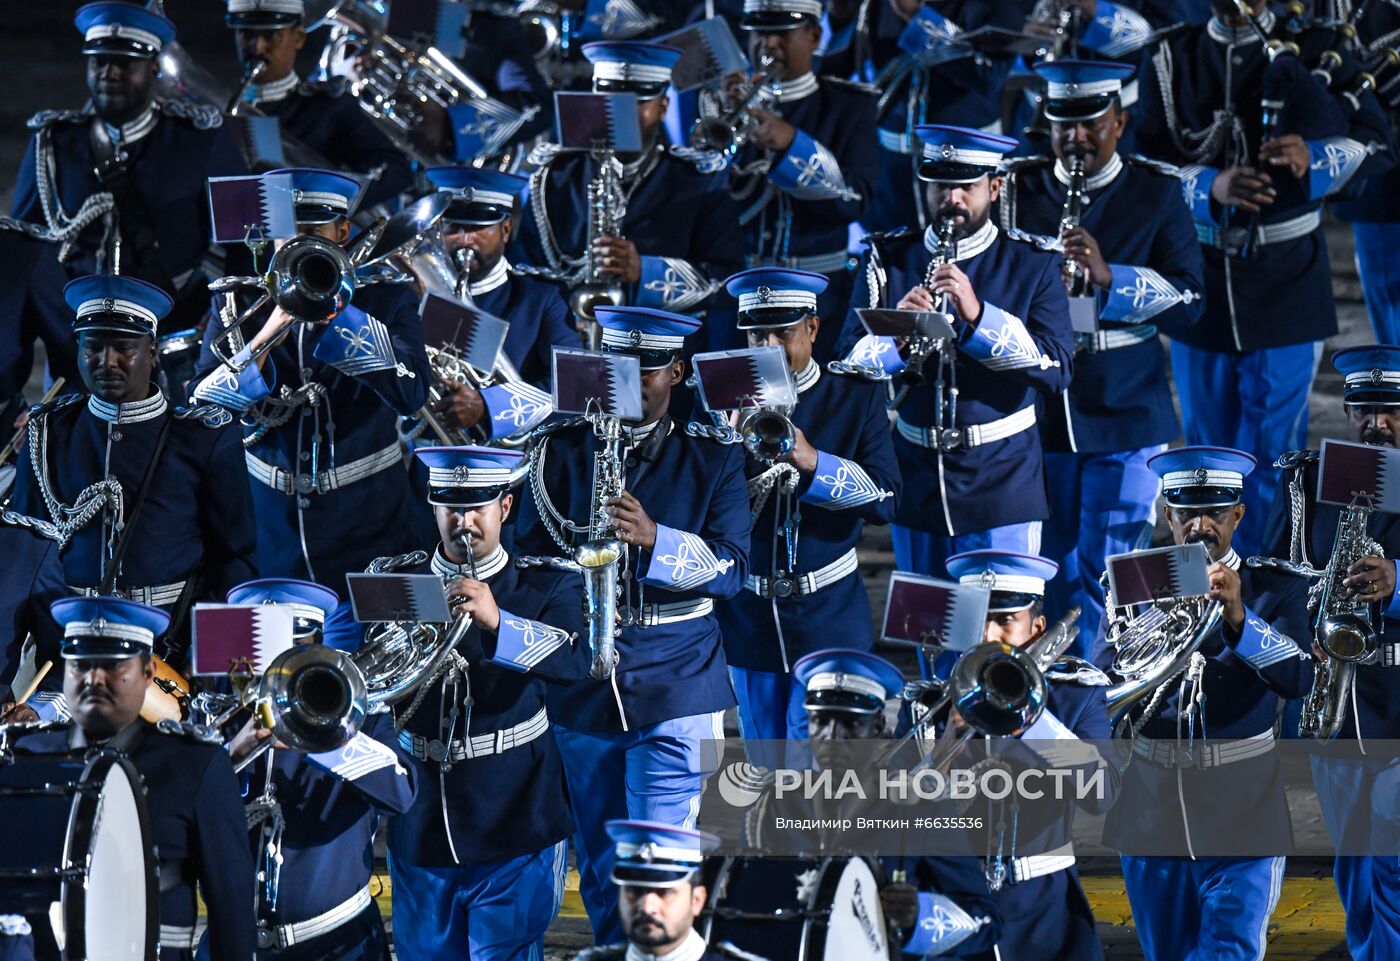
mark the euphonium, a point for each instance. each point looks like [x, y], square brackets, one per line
[409, 247]
[599, 557]
[605, 215]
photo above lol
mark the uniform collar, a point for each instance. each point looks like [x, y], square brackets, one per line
[133, 130]
[275, 90]
[486, 568]
[495, 277]
[130, 413]
[1231, 560]
[1098, 181]
[968, 247]
[691, 949]
[1239, 36]
[807, 377]
[797, 88]
[647, 441]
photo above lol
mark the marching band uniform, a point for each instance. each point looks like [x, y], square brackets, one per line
[32, 579]
[797, 206]
[633, 744]
[320, 114]
[1043, 907]
[1210, 906]
[148, 216]
[482, 733]
[197, 819]
[1357, 792]
[321, 425]
[1118, 409]
[989, 490]
[1243, 378]
[312, 819]
[499, 56]
[682, 220]
[194, 537]
[783, 614]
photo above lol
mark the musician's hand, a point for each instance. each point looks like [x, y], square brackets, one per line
[803, 455]
[618, 258]
[901, 904]
[951, 280]
[247, 740]
[917, 299]
[1289, 151]
[12, 713]
[733, 85]
[274, 329]
[1371, 579]
[1083, 249]
[465, 405]
[633, 524]
[466, 596]
[770, 131]
[1225, 588]
[1243, 187]
[21, 422]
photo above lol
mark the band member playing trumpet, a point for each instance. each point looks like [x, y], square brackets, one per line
[320, 410]
[812, 503]
[196, 812]
[967, 445]
[163, 512]
[477, 229]
[1130, 247]
[1228, 693]
[478, 862]
[633, 742]
[320, 115]
[312, 817]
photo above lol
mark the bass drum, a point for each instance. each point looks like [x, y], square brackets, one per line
[798, 909]
[79, 860]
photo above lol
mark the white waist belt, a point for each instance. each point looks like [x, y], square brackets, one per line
[834, 262]
[1291, 229]
[1112, 338]
[324, 923]
[973, 435]
[1039, 865]
[180, 938]
[1202, 755]
[650, 615]
[482, 745]
[326, 480]
[158, 596]
[808, 583]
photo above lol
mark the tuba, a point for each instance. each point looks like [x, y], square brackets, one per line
[605, 213]
[409, 248]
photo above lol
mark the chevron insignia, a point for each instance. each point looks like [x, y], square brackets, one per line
[526, 407]
[848, 485]
[1144, 294]
[356, 344]
[685, 559]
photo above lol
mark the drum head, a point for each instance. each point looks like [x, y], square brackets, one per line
[111, 917]
[855, 929]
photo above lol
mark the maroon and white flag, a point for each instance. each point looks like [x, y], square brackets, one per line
[923, 610]
[597, 382]
[739, 379]
[239, 637]
[1359, 473]
[252, 208]
[1162, 574]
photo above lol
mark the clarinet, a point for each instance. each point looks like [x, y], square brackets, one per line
[922, 347]
[1076, 278]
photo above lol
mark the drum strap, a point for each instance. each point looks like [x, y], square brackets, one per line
[109, 579]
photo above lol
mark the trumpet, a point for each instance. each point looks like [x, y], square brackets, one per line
[921, 348]
[727, 131]
[768, 433]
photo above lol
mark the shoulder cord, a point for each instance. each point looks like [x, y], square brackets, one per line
[780, 477]
[62, 228]
[452, 662]
[539, 208]
[91, 500]
[1207, 142]
[549, 515]
[273, 412]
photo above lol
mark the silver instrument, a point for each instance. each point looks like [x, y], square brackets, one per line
[451, 370]
[409, 248]
[1076, 280]
[600, 557]
[252, 70]
[922, 348]
[1343, 627]
[728, 130]
[1066, 18]
[768, 433]
[606, 208]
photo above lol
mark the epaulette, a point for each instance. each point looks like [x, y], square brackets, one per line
[58, 403]
[41, 527]
[45, 118]
[189, 729]
[843, 83]
[730, 950]
[890, 238]
[1038, 241]
[543, 153]
[603, 952]
[335, 86]
[1156, 166]
[1075, 670]
[210, 415]
[202, 116]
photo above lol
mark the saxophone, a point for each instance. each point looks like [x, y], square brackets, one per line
[598, 557]
[605, 213]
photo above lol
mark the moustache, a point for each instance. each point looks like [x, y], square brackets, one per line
[953, 210]
[1201, 537]
[1377, 438]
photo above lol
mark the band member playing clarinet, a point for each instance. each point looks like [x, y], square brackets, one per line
[478, 862]
[1132, 262]
[967, 445]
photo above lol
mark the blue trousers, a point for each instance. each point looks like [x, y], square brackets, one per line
[654, 773]
[1255, 402]
[1100, 504]
[1361, 805]
[496, 911]
[1378, 263]
[1209, 909]
[920, 552]
[770, 711]
[341, 631]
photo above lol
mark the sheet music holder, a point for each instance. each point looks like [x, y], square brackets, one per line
[739, 379]
[906, 323]
[244, 638]
[474, 335]
[1348, 472]
[435, 23]
[924, 610]
[999, 40]
[398, 597]
[261, 140]
[709, 53]
[597, 121]
[1161, 574]
[589, 381]
[251, 209]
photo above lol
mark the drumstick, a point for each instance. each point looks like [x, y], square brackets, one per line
[34, 684]
[49, 395]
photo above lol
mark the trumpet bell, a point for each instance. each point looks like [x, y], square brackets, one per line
[999, 690]
[313, 698]
[1347, 637]
[311, 278]
[768, 435]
